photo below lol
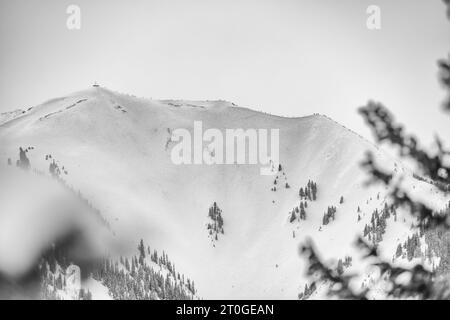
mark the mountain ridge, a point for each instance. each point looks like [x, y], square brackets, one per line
[116, 150]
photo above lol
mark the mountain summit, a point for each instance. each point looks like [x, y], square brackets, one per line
[232, 230]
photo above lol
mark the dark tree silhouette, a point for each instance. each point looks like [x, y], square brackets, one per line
[422, 283]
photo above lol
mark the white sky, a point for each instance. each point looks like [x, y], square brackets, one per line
[286, 57]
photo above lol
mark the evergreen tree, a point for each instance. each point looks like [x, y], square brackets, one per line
[302, 213]
[301, 193]
[141, 249]
[399, 251]
[23, 162]
[340, 267]
[314, 191]
[293, 217]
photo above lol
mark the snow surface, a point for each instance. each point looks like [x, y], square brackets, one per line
[6, 116]
[116, 149]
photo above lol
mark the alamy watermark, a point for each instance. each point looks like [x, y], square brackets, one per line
[373, 21]
[236, 146]
[73, 21]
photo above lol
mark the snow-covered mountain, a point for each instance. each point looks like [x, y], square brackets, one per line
[6, 116]
[116, 150]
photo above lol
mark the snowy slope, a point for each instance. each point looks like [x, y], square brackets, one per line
[6, 116]
[116, 150]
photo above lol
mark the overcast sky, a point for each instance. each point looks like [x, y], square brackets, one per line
[286, 57]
